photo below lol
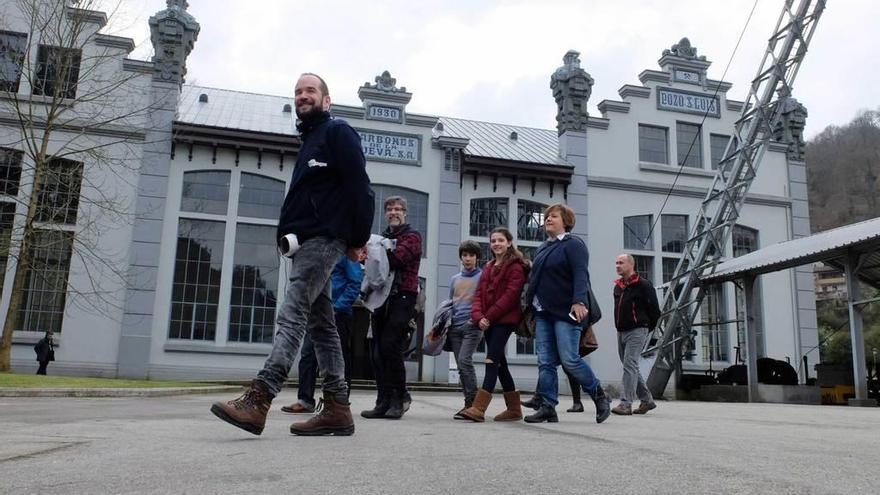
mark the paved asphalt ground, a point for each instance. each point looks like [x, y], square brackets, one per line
[175, 445]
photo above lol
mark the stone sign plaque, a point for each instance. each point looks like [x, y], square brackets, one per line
[390, 147]
[675, 100]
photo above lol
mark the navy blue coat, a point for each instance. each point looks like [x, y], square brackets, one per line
[330, 193]
[559, 276]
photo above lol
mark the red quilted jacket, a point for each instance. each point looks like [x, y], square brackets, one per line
[498, 296]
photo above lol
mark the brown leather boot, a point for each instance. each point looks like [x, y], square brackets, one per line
[334, 419]
[514, 408]
[249, 411]
[477, 411]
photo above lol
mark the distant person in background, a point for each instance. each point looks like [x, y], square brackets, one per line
[45, 350]
[636, 312]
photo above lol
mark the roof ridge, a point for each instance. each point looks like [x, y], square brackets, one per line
[499, 123]
[194, 86]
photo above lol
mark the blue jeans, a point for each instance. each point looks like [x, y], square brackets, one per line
[556, 342]
[307, 306]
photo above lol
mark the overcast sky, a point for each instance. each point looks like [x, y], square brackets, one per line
[492, 61]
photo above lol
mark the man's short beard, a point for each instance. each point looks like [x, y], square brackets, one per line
[312, 114]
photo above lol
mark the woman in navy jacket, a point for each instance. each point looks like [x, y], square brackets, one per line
[558, 293]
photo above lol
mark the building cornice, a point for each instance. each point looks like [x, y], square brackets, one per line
[79, 127]
[628, 90]
[631, 185]
[598, 123]
[509, 168]
[91, 16]
[719, 86]
[606, 106]
[141, 66]
[421, 120]
[120, 42]
[657, 76]
[235, 138]
[735, 105]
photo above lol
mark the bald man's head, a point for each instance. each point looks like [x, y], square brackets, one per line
[625, 265]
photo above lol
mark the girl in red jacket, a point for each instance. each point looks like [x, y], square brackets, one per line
[496, 311]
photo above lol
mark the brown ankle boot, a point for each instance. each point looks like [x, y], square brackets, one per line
[249, 411]
[334, 419]
[477, 411]
[514, 408]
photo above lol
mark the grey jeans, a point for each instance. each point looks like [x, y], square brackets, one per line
[464, 340]
[308, 306]
[629, 347]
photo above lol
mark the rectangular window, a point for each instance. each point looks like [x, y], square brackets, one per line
[46, 282]
[653, 144]
[254, 284]
[57, 71]
[669, 265]
[529, 221]
[260, 197]
[486, 214]
[636, 233]
[690, 145]
[206, 191]
[673, 231]
[196, 290]
[7, 218]
[715, 338]
[525, 347]
[745, 241]
[13, 47]
[645, 267]
[59, 191]
[10, 171]
[717, 146]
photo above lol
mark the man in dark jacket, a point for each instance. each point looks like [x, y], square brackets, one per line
[636, 312]
[45, 350]
[391, 331]
[329, 210]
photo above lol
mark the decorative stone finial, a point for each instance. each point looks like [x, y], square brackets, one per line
[788, 127]
[384, 82]
[173, 32]
[571, 88]
[684, 49]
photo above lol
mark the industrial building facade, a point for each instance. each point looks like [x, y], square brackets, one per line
[204, 276]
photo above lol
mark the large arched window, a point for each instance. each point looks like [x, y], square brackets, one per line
[208, 204]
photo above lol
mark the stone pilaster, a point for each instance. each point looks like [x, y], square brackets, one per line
[174, 32]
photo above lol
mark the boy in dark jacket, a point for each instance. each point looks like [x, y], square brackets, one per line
[636, 312]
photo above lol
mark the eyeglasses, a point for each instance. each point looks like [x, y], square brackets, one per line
[394, 208]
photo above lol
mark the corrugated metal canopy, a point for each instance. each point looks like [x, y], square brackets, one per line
[490, 140]
[862, 237]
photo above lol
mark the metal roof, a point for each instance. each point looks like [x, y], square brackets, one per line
[240, 110]
[490, 140]
[862, 237]
[236, 110]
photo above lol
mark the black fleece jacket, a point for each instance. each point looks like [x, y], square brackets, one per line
[330, 191]
[635, 304]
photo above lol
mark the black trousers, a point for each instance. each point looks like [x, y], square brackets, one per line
[308, 361]
[42, 369]
[391, 334]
